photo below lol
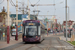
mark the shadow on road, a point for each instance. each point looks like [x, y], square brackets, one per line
[34, 42]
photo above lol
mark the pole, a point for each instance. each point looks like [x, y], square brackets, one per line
[56, 25]
[8, 22]
[37, 12]
[34, 13]
[47, 25]
[23, 7]
[66, 18]
[28, 10]
[16, 20]
[68, 13]
[47, 28]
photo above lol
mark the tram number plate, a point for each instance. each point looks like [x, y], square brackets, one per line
[30, 24]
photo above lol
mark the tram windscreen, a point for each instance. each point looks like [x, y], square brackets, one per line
[31, 30]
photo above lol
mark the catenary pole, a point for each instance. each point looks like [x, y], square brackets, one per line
[8, 22]
[28, 10]
[16, 20]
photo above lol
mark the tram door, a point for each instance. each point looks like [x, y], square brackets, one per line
[2, 34]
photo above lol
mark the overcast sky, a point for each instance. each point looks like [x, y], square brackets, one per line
[57, 10]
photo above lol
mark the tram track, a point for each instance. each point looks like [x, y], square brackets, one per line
[29, 47]
[50, 43]
[48, 46]
[60, 44]
[19, 46]
[34, 45]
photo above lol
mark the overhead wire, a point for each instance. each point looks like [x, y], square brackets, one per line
[12, 3]
[35, 3]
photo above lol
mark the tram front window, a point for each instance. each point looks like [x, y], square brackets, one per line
[31, 30]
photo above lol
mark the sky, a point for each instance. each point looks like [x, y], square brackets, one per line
[58, 9]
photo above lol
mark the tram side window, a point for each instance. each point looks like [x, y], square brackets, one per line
[39, 30]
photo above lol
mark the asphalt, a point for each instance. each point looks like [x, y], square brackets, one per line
[50, 43]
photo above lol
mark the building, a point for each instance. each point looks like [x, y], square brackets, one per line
[69, 23]
[4, 19]
[12, 20]
[22, 17]
[3, 24]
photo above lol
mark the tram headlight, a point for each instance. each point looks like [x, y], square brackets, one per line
[24, 36]
[36, 36]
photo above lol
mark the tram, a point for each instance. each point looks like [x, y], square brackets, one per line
[33, 31]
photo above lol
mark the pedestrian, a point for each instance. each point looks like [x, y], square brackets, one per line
[64, 32]
[73, 32]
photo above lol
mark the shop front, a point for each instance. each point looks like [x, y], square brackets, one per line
[3, 36]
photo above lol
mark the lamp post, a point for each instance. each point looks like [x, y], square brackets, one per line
[8, 22]
[66, 17]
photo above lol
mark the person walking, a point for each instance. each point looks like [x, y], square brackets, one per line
[64, 32]
[73, 32]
